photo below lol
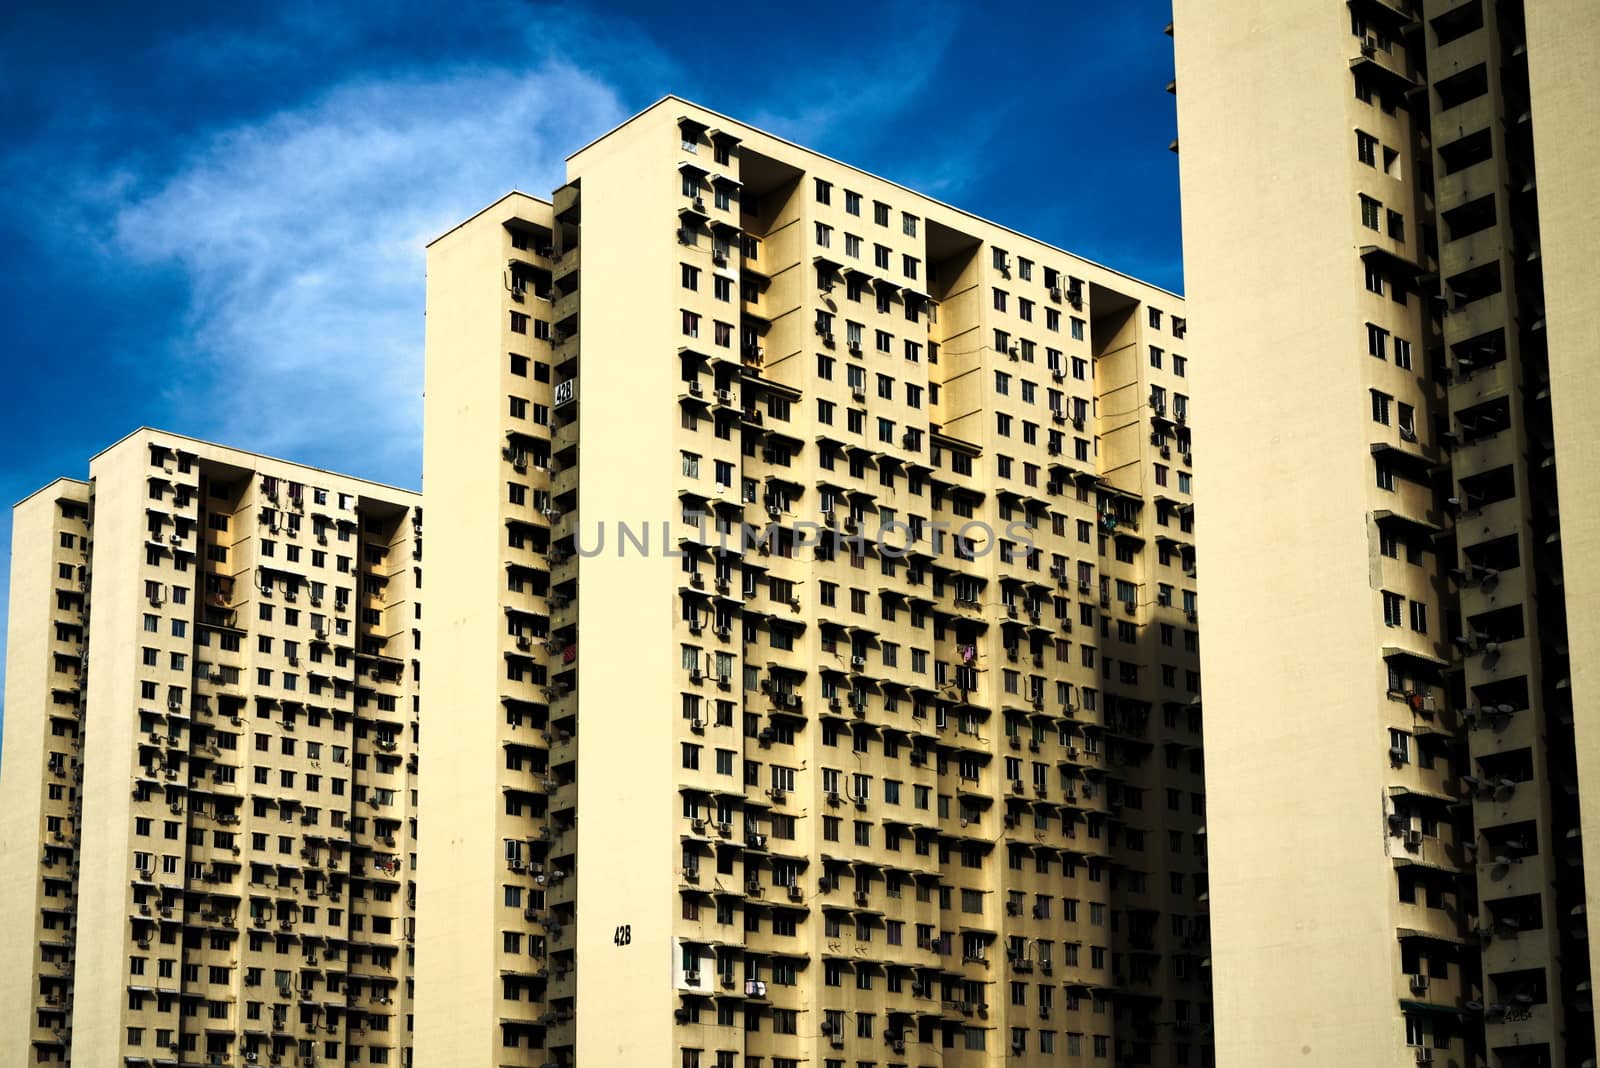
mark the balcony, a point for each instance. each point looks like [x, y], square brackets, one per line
[1389, 69]
[565, 481]
[1415, 849]
[566, 262]
[565, 308]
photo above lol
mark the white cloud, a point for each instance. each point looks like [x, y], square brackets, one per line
[301, 236]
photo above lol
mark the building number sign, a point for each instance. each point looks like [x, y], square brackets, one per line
[624, 935]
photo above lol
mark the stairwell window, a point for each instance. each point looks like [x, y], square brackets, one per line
[1394, 607]
[1380, 407]
[1366, 148]
[1377, 339]
[1371, 212]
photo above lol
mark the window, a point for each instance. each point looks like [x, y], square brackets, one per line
[1377, 341]
[824, 192]
[852, 203]
[1380, 407]
[690, 276]
[1393, 609]
[880, 213]
[1419, 617]
[1371, 213]
[1397, 225]
[1366, 148]
[1402, 354]
[1399, 746]
[519, 323]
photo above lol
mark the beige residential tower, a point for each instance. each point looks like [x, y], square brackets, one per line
[1385, 203]
[712, 793]
[210, 763]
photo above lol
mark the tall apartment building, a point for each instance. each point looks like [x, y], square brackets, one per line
[1387, 221]
[208, 791]
[927, 793]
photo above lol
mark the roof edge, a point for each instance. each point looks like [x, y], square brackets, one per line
[484, 210]
[145, 429]
[675, 98]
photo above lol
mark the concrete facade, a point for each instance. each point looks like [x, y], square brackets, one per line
[213, 680]
[1394, 769]
[752, 801]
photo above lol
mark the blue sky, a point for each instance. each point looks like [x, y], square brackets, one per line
[205, 193]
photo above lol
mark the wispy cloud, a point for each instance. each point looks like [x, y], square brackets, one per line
[301, 236]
